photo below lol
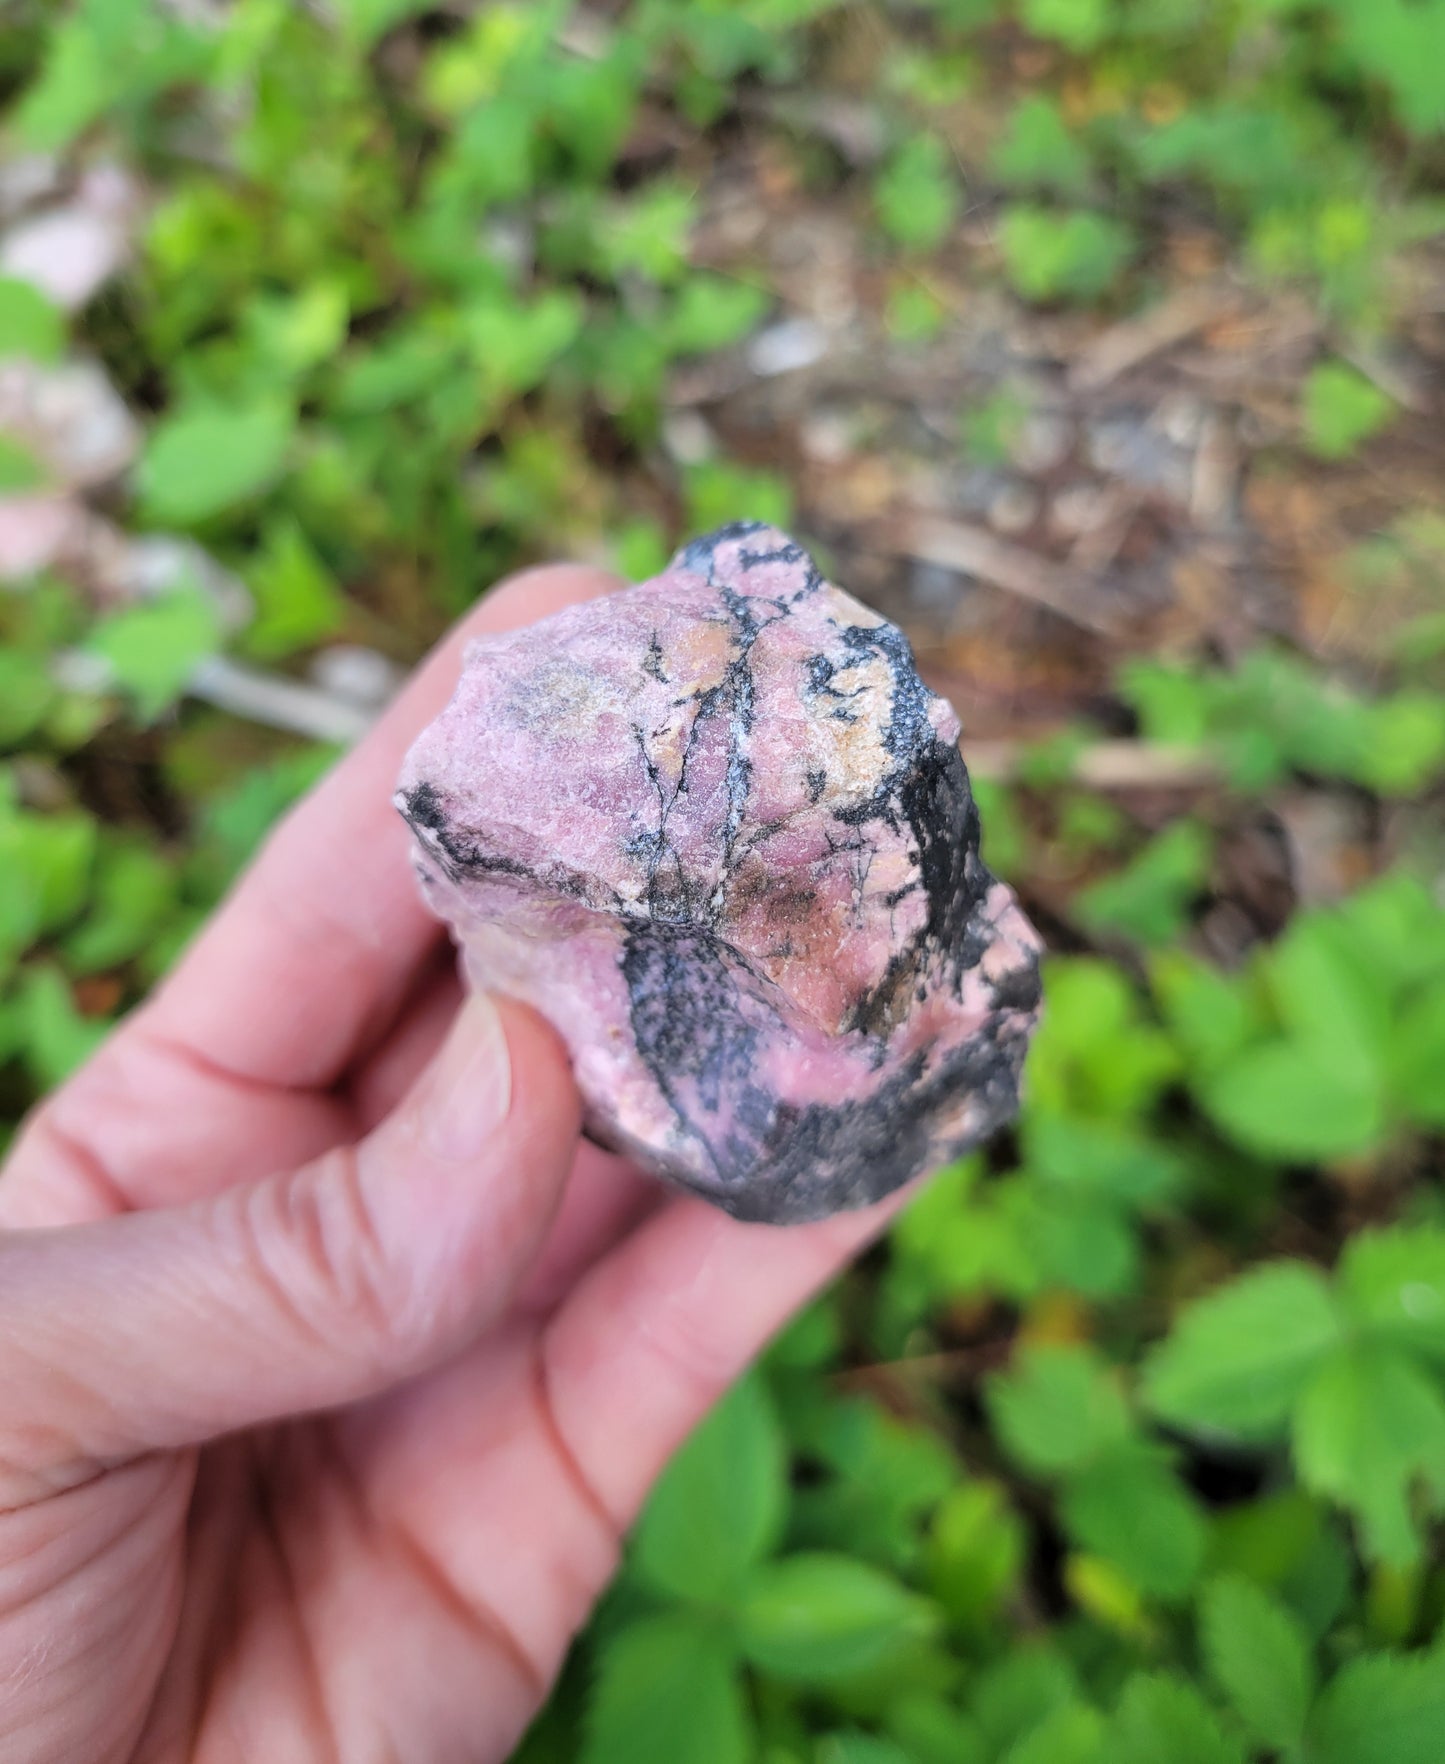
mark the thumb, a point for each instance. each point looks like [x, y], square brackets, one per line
[310, 1289]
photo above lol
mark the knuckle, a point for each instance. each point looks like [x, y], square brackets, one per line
[310, 1242]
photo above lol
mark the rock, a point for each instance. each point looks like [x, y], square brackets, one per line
[362, 676]
[71, 418]
[70, 251]
[1014, 508]
[1043, 442]
[717, 830]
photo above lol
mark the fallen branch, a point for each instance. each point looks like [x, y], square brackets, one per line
[276, 702]
[973, 551]
[1105, 765]
[1134, 340]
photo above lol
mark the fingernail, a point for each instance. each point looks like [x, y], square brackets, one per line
[470, 1089]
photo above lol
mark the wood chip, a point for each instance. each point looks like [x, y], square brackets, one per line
[974, 551]
[1107, 765]
[1125, 345]
[1212, 491]
[277, 702]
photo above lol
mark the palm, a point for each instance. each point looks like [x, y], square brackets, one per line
[399, 1579]
[395, 1582]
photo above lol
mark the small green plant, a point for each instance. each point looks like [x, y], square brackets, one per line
[1342, 410]
[1053, 254]
[1348, 1370]
[916, 193]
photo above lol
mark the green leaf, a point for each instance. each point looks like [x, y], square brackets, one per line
[203, 460]
[1329, 998]
[1024, 1688]
[133, 894]
[20, 470]
[513, 345]
[1368, 1424]
[1130, 1508]
[647, 234]
[886, 1478]
[916, 193]
[1212, 1014]
[1057, 1409]
[816, 1618]
[1051, 255]
[1077, 24]
[400, 367]
[934, 1732]
[1100, 1160]
[235, 821]
[712, 311]
[1039, 151]
[29, 325]
[1417, 1057]
[914, 315]
[1163, 1720]
[976, 1552]
[1074, 1734]
[46, 863]
[1398, 43]
[667, 1687]
[26, 691]
[153, 648]
[74, 87]
[297, 600]
[718, 1508]
[1392, 1283]
[1289, 1544]
[1259, 1657]
[293, 332]
[854, 1747]
[1283, 1100]
[368, 20]
[1095, 1053]
[57, 1038]
[1150, 897]
[1382, 1709]
[718, 489]
[1237, 1360]
[1342, 409]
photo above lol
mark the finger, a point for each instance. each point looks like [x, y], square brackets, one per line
[658, 1330]
[209, 1084]
[305, 1291]
[382, 1079]
[605, 1196]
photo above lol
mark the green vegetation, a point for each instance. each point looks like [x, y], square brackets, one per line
[1130, 1442]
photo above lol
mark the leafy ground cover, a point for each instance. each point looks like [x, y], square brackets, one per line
[1098, 341]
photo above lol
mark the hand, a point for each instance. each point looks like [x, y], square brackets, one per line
[333, 1368]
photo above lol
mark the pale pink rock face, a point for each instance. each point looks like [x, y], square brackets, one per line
[718, 832]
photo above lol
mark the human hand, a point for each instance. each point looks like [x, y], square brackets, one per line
[333, 1367]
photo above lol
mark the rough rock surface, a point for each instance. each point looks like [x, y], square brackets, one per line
[717, 830]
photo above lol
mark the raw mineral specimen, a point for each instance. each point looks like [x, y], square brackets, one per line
[717, 830]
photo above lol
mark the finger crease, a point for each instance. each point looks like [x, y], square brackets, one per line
[582, 1485]
[87, 1162]
[206, 1066]
[310, 1664]
[467, 1608]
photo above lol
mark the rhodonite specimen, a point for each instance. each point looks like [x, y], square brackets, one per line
[717, 830]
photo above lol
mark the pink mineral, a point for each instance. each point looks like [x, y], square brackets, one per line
[717, 830]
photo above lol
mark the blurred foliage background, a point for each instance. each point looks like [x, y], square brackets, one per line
[1101, 343]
